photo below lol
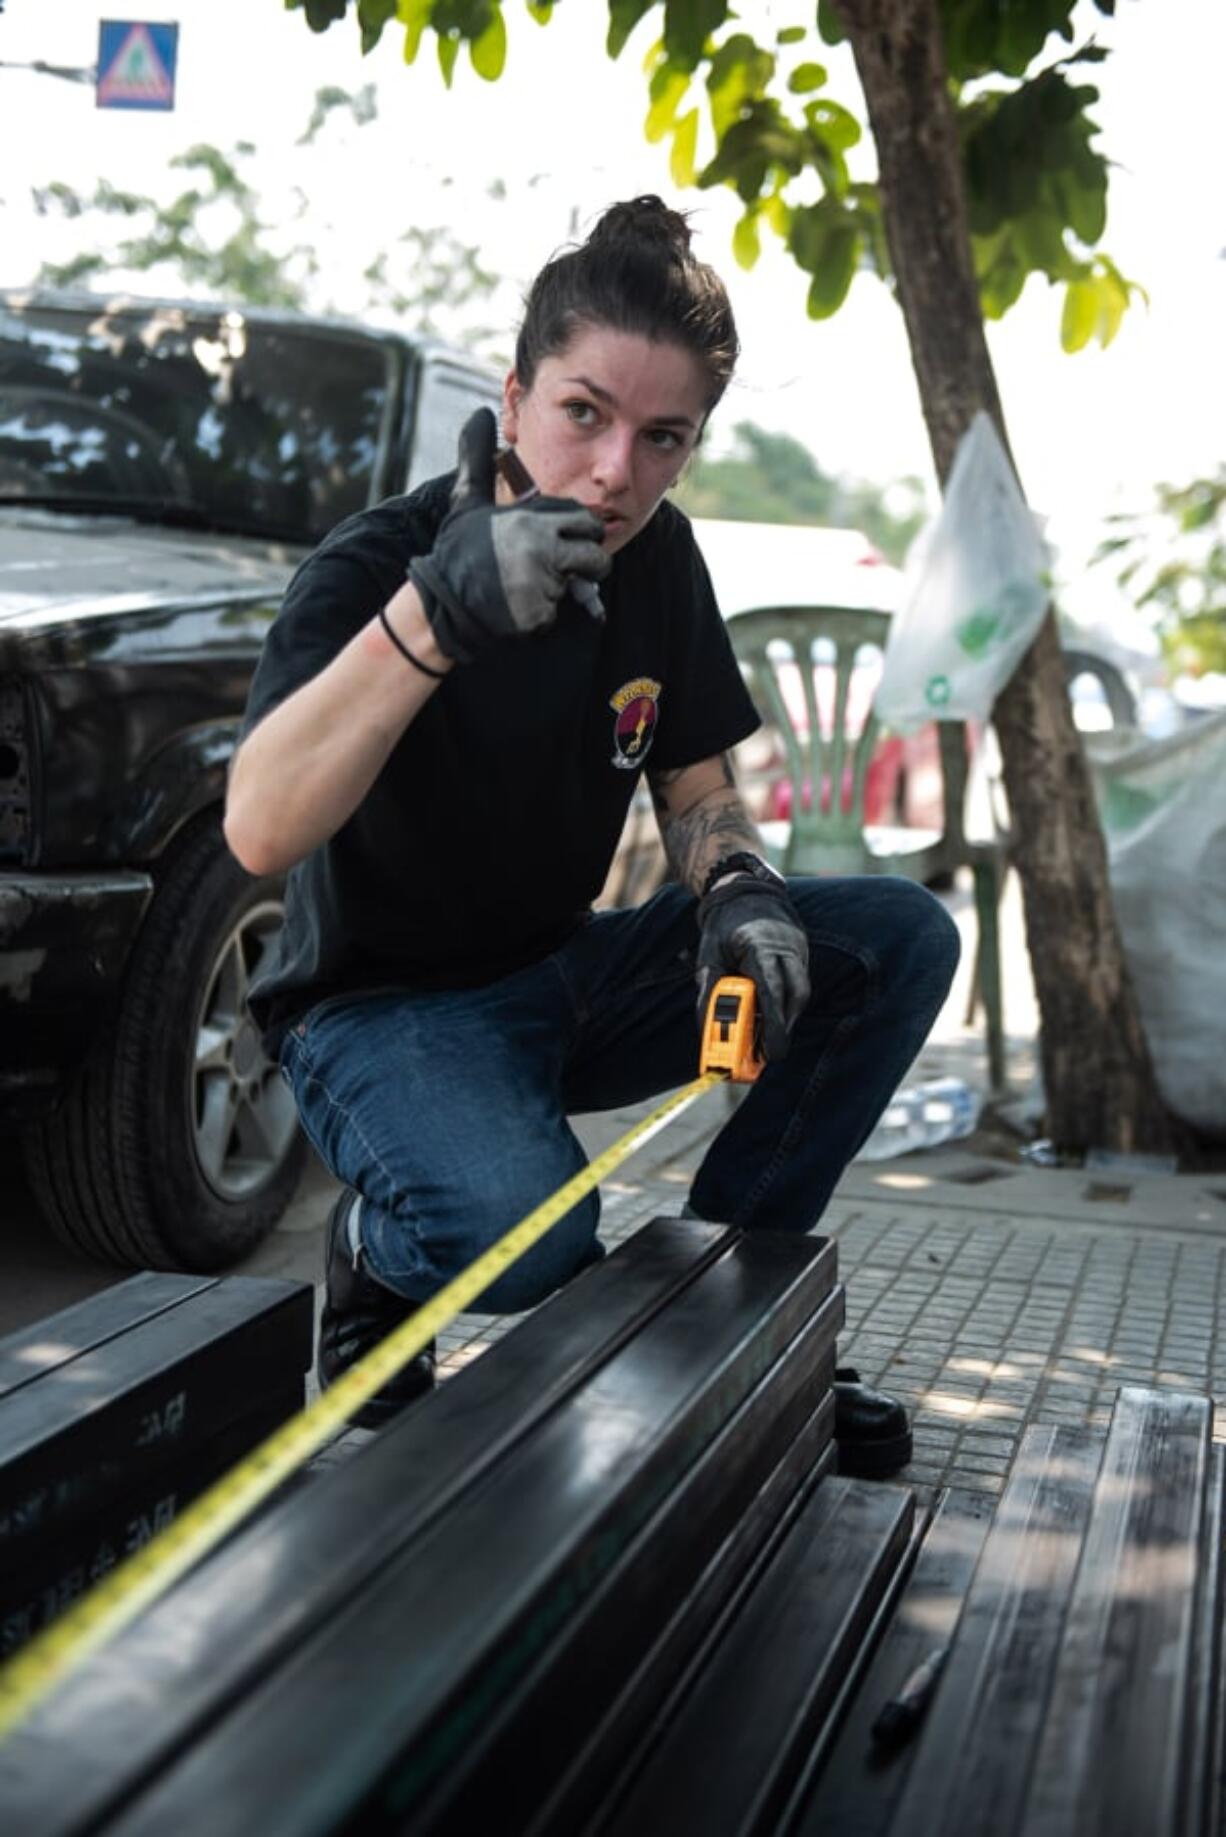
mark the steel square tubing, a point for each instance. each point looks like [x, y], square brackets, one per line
[695, 1626]
[57, 1573]
[1114, 1751]
[366, 1717]
[731, 1749]
[976, 1745]
[858, 1787]
[35, 1350]
[229, 1622]
[88, 1431]
[518, 1752]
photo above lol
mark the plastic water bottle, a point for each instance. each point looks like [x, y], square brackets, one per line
[922, 1116]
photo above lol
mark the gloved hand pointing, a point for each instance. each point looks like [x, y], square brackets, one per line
[494, 571]
[749, 927]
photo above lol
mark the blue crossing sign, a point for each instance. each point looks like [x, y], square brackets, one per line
[136, 63]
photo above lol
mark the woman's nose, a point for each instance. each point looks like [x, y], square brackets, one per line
[612, 467]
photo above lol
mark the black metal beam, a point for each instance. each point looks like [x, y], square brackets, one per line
[1113, 1756]
[195, 1652]
[518, 1752]
[697, 1622]
[97, 1426]
[33, 1351]
[731, 1749]
[858, 1788]
[59, 1571]
[367, 1717]
[977, 1742]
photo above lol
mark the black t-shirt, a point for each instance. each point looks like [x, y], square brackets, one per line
[491, 828]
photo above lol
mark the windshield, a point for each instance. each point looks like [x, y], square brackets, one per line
[208, 417]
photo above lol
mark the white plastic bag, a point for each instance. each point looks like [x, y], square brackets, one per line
[975, 589]
[1164, 817]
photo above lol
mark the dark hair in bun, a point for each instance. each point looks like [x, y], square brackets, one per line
[635, 273]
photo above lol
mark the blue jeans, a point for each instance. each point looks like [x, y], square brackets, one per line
[447, 1111]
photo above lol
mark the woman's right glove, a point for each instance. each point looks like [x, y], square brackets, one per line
[749, 927]
[495, 572]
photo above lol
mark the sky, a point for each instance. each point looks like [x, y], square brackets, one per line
[561, 136]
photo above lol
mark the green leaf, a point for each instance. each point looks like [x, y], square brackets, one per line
[829, 25]
[837, 126]
[806, 78]
[488, 53]
[761, 141]
[1112, 305]
[746, 241]
[667, 89]
[738, 75]
[778, 213]
[1085, 205]
[448, 51]
[320, 14]
[687, 26]
[624, 15]
[681, 164]
[1002, 274]
[541, 11]
[1079, 319]
[790, 35]
[828, 288]
[416, 15]
[373, 15]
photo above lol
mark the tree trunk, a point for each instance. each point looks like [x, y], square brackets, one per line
[1097, 1071]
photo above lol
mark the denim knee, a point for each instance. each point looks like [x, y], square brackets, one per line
[418, 1255]
[570, 1245]
[926, 936]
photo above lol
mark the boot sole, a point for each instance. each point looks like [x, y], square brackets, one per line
[872, 1460]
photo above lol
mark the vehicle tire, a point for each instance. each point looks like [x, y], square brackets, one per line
[177, 1146]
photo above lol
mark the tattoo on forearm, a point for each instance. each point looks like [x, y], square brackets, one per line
[695, 840]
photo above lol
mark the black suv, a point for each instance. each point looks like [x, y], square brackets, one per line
[164, 466]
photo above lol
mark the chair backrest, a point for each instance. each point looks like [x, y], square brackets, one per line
[801, 663]
[1120, 701]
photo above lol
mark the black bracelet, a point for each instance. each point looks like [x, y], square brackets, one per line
[402, 647]
[742, 861]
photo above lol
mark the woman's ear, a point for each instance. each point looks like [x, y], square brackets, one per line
[512, 396]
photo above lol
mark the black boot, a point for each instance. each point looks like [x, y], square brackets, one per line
[870, 1428]
[358, 1313]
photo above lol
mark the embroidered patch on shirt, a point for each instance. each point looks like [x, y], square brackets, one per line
[637, 708]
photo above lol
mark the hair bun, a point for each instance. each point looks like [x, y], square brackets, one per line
[643, 220]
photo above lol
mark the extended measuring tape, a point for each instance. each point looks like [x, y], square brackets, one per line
[728, 1054]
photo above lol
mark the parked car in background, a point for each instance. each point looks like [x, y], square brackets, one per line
[164, 466]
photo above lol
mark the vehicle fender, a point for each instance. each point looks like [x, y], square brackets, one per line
[184, 777]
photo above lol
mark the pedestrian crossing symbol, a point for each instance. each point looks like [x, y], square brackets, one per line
[136, 64]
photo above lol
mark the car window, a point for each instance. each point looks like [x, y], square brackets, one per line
[446, 398]
[261, 428]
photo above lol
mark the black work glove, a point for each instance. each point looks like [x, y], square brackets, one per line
[751, 928]
[495, 572]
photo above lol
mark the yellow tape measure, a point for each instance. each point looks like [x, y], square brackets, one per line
[120, 1596]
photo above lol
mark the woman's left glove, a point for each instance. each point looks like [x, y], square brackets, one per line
[749, 927]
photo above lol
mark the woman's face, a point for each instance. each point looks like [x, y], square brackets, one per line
[611, 421]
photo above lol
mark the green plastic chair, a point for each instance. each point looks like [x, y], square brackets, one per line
[784, 650]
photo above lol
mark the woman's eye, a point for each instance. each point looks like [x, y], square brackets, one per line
[582, 413]
[665, 439]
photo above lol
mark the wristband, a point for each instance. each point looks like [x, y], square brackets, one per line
[402, 647]
[741, 861]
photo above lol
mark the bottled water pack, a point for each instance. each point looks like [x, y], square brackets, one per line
[922, 1116]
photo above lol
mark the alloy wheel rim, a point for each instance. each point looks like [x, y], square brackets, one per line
[244, 1120]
